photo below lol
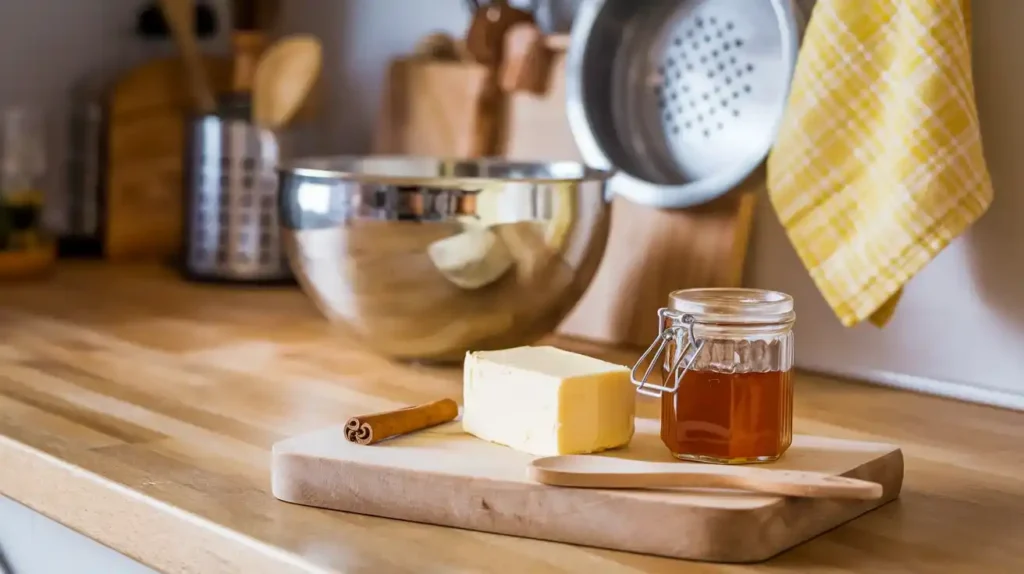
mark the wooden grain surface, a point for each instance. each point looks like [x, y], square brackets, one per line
[445, 476]
[140, 411]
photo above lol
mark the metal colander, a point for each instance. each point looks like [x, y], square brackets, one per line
[683, 97]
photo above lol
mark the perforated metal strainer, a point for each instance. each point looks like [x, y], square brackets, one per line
[683, 97]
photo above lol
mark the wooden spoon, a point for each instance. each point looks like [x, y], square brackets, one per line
[284, 77]
[583, 471]
[180, 16]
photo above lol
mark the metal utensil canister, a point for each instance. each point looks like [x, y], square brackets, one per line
[231, 224]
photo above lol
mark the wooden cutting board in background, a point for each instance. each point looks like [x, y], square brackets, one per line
[650, 252]
[149, 107]
[446, 477]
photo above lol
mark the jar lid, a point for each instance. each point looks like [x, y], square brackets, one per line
[734, 306]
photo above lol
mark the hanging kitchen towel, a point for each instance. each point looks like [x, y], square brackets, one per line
[878, 163]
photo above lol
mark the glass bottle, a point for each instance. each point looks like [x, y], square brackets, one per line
[727, 387]
[81, 211]
[25, 246]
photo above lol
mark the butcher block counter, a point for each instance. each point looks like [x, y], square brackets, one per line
[140, 411]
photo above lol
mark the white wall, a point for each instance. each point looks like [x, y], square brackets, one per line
[47, 47]
[359, 37]
[961, 321]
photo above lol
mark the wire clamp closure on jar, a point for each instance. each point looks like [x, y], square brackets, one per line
[665, 336]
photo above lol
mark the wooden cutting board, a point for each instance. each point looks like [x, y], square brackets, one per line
[149, 107]
[446, 477]
[651, 252]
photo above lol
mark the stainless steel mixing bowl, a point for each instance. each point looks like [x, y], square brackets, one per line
[425, 259]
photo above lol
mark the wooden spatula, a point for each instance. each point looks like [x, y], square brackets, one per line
[284, 77]
[581, 471]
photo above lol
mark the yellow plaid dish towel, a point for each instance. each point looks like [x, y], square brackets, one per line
[878, 163]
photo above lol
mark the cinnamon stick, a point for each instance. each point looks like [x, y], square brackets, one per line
[373, 428]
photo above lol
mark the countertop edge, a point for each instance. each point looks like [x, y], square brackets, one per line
[135, 524]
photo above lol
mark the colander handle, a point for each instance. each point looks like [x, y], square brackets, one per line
[678, 196]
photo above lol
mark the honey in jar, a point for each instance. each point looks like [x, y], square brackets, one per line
[727, 390]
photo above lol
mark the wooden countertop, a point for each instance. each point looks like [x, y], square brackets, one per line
[140, 411]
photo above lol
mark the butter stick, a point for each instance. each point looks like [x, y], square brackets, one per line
[547, 401]
[373, 428]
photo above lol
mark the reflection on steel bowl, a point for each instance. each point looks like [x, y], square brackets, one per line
[425, 259]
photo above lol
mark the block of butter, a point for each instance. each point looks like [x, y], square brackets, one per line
[546, 401]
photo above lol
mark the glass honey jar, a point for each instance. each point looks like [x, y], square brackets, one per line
[727, 387]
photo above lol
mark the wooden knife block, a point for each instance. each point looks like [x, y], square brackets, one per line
[650, 252]
[149, 107]
[436, 108]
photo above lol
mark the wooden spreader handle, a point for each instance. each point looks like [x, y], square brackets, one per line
[581, 471]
